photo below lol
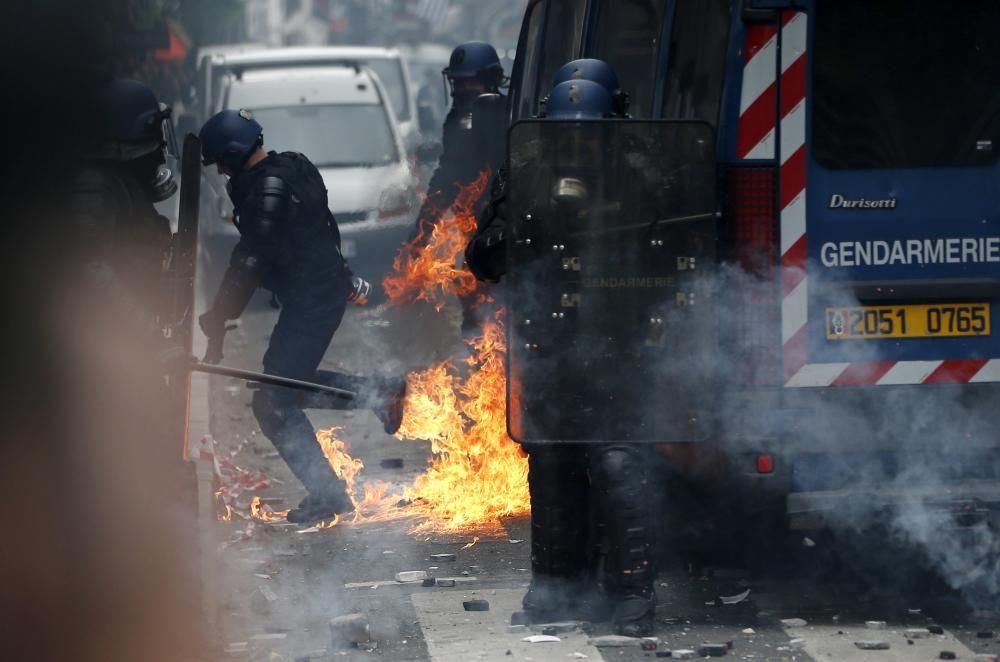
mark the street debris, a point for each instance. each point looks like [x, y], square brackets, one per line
[516, 542]
[476, 605]
[793, 622]
[985, 634]
[427, 583]
[576, 655]
[749, 631]
[411, 576]
[443, 557]
[713, 650]
[446, 583]
[875, 625]
[872, 645]
[541, 638]
[797, 643]
[947, 655]
[734, 599]
[467, 545]
[683, 654]
[349, 629]
[553, 628]
[917, 633]
[935, 629]
[392, 463]
[808, 542]
[649, 643]
[615, 641]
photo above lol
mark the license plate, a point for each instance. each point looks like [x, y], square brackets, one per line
[949, 320]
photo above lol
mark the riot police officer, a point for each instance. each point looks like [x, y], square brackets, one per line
[290, 244]
[596, 493]
[124, 242]
[471, 140]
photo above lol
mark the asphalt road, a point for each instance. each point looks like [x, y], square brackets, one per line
[281, 584]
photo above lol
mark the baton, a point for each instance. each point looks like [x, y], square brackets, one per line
[273, 380]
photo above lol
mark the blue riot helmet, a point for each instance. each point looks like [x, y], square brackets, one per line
[130, 121]
[229, 138]
[474, 61]
[597, 71]
[580, 100]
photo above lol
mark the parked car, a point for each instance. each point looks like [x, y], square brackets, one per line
[387, 63]
[341, 118]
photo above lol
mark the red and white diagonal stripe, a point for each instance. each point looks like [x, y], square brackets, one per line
[764, 97]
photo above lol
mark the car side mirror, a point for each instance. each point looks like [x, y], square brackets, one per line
[428, 153]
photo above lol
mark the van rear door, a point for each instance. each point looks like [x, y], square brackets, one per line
[891, 196]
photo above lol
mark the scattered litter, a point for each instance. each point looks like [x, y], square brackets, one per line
[311, 529]
[749, 631]
[410, 576]
[713, 650]
[914, 612]
[515, 542]
[541, 638]
[349, 629]
[443, 557]
[446, 583]
[872, 645]
[392, 463]
[476, 569]
[793, 622]
[467, 545]
[734, 599]
[683, 654]
[984, 634]
[559, 627]
[808, 542]
[917, 633]
[427, 583]
[935, 629]
[947, 655]
[476, 605]
[388, 552]
[576, 655]
[797, 644]
[875, 625]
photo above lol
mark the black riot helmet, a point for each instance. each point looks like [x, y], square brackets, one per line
[475, 60]
[597, 71]
[130, 121]
[229, 138]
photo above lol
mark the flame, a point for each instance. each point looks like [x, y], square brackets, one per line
[478, 474]
[426, 268]
[264, 513]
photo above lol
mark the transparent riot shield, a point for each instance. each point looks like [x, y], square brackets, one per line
[613, 230]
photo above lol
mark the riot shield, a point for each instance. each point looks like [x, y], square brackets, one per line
[613, 225]
[183, 269]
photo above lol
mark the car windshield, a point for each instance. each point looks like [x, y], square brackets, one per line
[390, 72]
[338, 136]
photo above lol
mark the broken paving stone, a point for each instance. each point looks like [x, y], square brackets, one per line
[683, 654]
[935, 629]
[430, 581]
[541, 639]
[947, 655]
[794, 622]
[476, 605]
[713, 650]
[349, 629]
[410, 576]
[443, 557]
[392, 463]
[916, 633]
[872, 645]
[875, 625]
[446, 583]
[749, 631]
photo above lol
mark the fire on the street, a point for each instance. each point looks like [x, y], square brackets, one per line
[478, 473]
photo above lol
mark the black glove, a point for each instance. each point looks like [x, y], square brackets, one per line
[359, 292]
[212, 324]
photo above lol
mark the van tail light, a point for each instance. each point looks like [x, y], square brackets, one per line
[750, 235]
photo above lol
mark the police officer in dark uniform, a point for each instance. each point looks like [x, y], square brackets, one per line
[469, 149]
[290, 245]
[125, 243]
[597, 492]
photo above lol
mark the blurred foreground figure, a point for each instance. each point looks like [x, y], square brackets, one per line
[472, 137]
[598, 493]
[290, 245]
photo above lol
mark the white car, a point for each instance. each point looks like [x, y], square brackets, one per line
[387, 63]
[340, 118]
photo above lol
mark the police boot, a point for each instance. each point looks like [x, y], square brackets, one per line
[390, 403]
[316, 508]
[621, 483]
[557, 481]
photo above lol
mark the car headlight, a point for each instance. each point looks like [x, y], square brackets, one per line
[395, 202]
